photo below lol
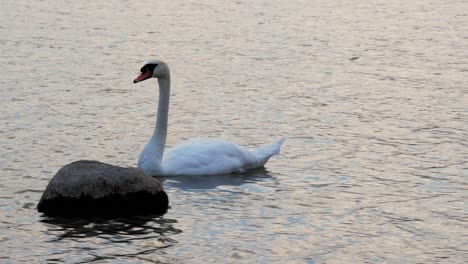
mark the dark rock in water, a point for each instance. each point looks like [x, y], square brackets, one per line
[85, 188]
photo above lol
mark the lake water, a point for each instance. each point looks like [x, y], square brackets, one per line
[371, 94]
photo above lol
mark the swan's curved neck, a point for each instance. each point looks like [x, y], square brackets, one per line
[158, 140]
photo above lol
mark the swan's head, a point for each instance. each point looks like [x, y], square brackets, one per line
[153, 69]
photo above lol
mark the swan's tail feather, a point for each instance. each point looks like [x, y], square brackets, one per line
[281, 140]
[263, 153]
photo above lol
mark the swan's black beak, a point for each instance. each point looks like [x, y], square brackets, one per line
[143, 76]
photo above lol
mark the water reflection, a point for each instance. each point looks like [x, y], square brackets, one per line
[65, 228]
[100, 238]
[202, 182]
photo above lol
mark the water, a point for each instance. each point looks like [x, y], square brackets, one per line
[372, 96]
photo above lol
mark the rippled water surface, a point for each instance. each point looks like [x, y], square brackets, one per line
[371, 94]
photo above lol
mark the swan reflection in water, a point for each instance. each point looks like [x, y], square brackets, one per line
[204, 182]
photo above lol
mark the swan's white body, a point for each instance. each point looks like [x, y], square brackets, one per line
[194, 157]
[206, 157]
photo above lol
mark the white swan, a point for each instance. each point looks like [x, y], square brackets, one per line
[194, 157]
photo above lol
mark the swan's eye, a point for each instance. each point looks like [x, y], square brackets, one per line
[147, 67]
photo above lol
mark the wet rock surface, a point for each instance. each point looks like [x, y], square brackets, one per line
[84, 188]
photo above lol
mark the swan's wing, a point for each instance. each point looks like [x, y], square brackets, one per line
[207, 157]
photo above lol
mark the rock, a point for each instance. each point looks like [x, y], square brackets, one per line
[85, 188]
